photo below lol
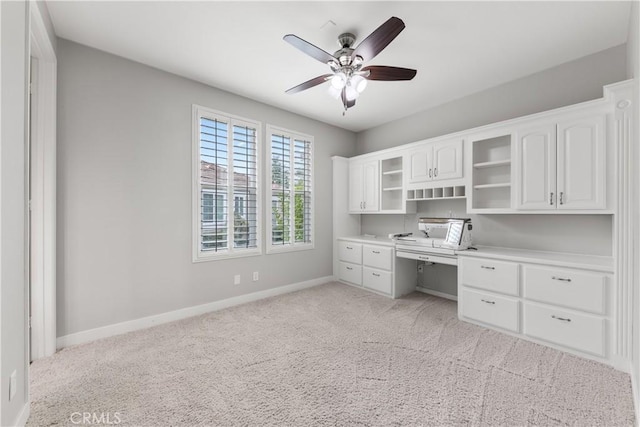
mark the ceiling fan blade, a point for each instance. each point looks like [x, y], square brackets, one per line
[309, 83]
[379, 39]
[308, 48]
[382, 72]
[347, 104]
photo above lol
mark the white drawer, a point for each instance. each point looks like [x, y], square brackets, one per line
[350, 252]
[569, 288]
[378, 280]
[579, 331]
[497, 276]
[351, 273]
[378, 257]
[491, 309]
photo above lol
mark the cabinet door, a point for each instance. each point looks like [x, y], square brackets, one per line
[536, 168]
[371, 177]
[356, 187]
[581, 163]
[420, 164]
[447, 160]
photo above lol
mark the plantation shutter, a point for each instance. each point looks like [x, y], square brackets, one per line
[291, 190]
[228, 186]
[214, 157]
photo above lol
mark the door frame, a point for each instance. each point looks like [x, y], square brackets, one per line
[43, 190]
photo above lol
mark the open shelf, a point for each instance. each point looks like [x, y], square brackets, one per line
[391, 197]
[492, 164]
[497, 185]
[491, 172]
[437, 193]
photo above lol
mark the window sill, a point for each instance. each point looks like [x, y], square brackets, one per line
[284, 249]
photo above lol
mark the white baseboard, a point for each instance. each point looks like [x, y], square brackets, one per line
[24, 415]
[436, 293]
[146, 322]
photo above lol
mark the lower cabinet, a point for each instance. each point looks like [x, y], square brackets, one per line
[377, 280]
[351, 273]
[491, 309]
[565, 307]
[580, 331]
[375, 267]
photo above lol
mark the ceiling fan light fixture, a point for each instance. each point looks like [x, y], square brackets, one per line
[359, 82]
[338, 81]
[351, 93]
[336, 93]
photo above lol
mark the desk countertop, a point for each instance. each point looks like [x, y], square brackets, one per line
[604, 264]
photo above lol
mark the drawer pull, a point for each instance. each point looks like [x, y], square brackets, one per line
[564, 319]
[423, 257]
[376, 274]
[488, 302]
[349, 268]
[349, 247]
[487, 267]
[376, 252]
[562, 279]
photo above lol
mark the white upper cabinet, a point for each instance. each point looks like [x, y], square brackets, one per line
[447, 160]
[562, 165]
[364, 188]
[421, 164]
[435, 161]
[581, 163]
[536, 159]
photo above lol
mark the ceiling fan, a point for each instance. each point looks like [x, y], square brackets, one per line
[349, 76]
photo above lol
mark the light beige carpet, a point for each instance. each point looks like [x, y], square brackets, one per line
[329, 355]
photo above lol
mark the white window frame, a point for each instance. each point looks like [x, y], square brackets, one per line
[293, 247]
[199, 255]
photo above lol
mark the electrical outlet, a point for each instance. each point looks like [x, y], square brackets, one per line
[236, 279]
[255, 276]
[13, 384]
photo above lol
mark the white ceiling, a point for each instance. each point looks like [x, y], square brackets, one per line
[458, 48]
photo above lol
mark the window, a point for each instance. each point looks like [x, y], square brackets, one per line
[226, 188]
[291, 191]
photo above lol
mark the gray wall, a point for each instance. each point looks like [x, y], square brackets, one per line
[124, 193]
[13, 318]
[566, 84]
